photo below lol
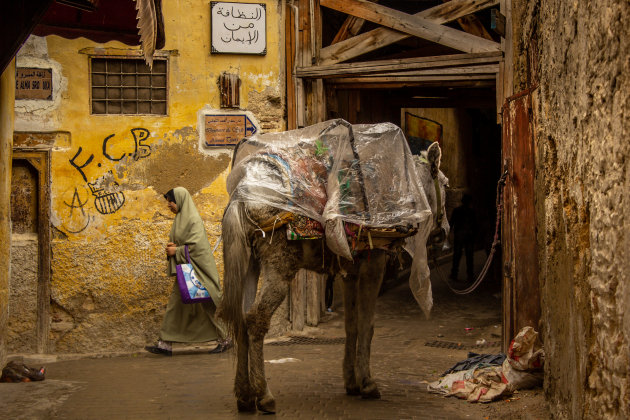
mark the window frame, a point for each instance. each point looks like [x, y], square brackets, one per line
[135, 55]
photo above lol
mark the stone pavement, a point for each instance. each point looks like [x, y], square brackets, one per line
[308, 385]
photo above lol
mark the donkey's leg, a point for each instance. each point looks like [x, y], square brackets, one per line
[245, 398]
[370, 278]
[274, 290]
[349, 357]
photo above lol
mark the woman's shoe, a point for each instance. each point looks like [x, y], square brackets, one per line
[157, 350]
[221, 347]
[162, 347]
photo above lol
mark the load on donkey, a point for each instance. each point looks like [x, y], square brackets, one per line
[332, 197]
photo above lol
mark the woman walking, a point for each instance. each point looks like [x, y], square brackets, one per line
[190, 323]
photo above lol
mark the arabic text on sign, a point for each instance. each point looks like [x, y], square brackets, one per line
[31, 83]
[239, 28]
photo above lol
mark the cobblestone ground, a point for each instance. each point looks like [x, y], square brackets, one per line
[195, 385]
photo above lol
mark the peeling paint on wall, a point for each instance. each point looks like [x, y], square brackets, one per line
[39, 115]
[110, 223]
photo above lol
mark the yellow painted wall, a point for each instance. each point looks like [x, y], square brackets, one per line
[109, 289]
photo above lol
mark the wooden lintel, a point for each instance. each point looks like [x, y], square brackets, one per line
[362, 84]
[486, 69]
[380, 66]
[380, 37]
[428, 78]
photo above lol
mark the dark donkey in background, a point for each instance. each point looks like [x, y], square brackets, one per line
[247, 310]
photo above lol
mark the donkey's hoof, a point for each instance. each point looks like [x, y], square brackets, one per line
[370, 392]
[353, 390]
[246, 405]
[266, 404]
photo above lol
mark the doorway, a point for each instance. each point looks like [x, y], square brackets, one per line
[29, 284]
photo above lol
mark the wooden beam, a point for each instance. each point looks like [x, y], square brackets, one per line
[473, 25]
[381, 37]
[298, 300]
[427, 78]
[313, 298]
[381, 66]
[413, 25]
[486, 69]
[289, 37]
[417, 82]
[350, 27]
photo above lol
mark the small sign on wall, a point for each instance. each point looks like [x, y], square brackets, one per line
[227, 129]
[33, 83]
[238, 28]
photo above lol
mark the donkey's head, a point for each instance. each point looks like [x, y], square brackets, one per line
[434, 183]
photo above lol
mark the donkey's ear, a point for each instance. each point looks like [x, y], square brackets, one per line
[434, 154]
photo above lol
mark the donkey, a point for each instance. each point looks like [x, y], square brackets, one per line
[247, 309]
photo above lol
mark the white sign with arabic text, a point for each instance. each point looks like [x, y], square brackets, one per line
[238, 28]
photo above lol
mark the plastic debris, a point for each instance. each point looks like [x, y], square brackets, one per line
[521, 369]
[280, 361]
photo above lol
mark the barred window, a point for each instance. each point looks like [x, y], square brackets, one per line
[128, 86]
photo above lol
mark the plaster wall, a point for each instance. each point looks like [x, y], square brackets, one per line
[7, 104]
[109, 287]
[582, 121]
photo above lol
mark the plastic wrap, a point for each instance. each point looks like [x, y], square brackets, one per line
[337, 173]
[333, 171]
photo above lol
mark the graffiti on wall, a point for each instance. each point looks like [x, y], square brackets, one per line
[107, 198]
[77, 219]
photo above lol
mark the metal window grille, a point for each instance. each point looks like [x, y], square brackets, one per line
[128, 86]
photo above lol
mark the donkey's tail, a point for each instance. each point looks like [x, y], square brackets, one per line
[235, 262]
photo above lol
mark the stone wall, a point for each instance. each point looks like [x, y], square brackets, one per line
[580, 60]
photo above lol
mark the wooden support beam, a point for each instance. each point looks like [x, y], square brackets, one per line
[351, 26]
[473, 25]
[413, 25]
[381, 66]
[313, 298]
[298, 301]
[427, 78]
[486, 69]
[381, 37]
[411, 82]
[290, 56]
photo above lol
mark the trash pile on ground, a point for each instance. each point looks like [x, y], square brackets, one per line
[485, 378]
[19, 372]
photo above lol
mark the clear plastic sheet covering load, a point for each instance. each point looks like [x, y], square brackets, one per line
[361, 174]
[339, 175]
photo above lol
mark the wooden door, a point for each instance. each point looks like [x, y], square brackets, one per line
[521, 290]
